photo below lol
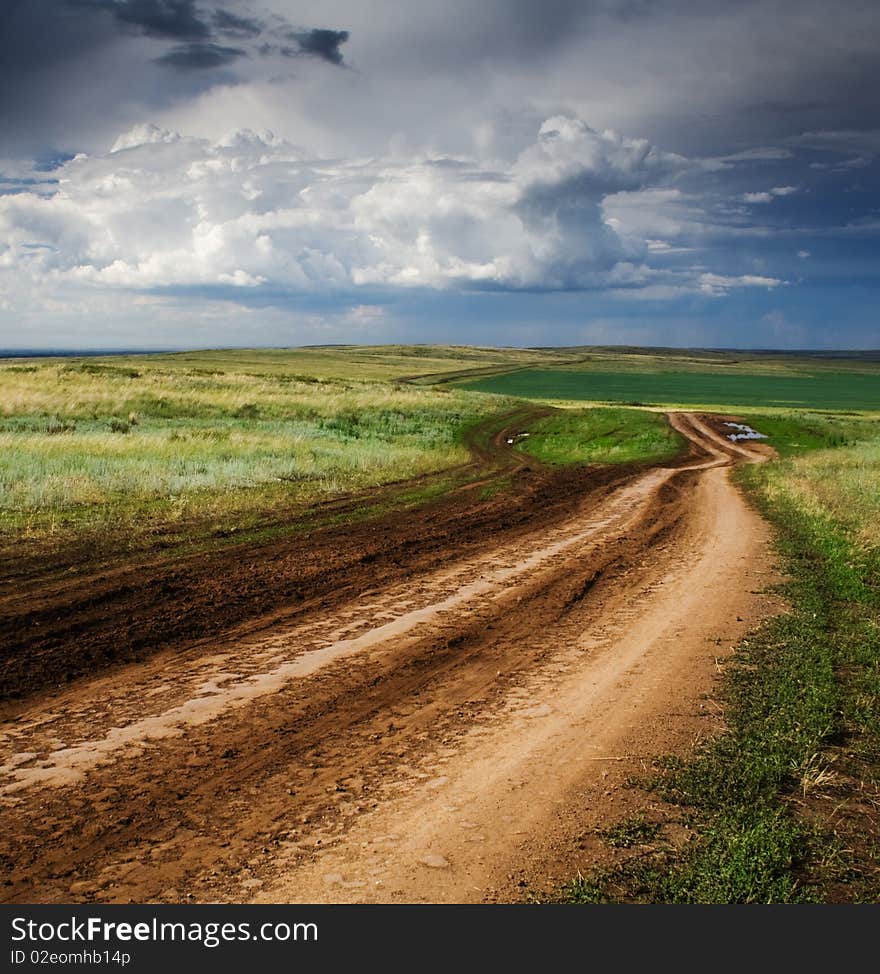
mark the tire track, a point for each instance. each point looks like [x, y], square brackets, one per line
[272, 757]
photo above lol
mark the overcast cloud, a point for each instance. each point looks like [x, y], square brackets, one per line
[510, 171]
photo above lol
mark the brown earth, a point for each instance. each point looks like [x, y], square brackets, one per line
[64, 615]
[434, 705]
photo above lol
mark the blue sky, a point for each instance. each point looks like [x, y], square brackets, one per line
[176, 173]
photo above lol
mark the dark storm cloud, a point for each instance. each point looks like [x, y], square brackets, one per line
[228, 23]
[320, 43]
[183, 20]
[175, 19]
[198, 57]
[180, 20]
[73, 71]
[42, 45]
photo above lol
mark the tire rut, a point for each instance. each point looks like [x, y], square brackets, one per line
[223, 807]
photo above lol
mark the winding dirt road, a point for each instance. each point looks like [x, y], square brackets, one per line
[447, 731]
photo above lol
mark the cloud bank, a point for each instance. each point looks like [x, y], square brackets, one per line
[164, 211]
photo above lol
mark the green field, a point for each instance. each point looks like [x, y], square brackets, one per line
[817, 390]
[130, 451]
[602, 435]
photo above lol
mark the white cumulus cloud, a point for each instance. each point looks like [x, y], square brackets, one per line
[577, 208]
[769, 195]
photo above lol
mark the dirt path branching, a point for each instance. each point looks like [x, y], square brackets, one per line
[437, 705]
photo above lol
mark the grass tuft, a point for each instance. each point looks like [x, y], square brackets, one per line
[630, 832]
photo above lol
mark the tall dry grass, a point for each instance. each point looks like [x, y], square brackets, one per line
[90, 446]
[841, 484]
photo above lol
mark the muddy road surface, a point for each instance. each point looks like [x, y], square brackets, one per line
[442, 719]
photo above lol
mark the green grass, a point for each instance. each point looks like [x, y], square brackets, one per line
[108, 462]
[782, 805]
[125, 452]
[792, 432]
[817, 390]
[602, 435]
[630, 832]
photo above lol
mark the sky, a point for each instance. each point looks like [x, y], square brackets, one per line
[206, 173]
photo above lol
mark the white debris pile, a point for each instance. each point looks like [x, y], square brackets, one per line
[745, 432]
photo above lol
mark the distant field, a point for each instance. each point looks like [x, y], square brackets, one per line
[718, 361]
[353, 363]
[855, 390]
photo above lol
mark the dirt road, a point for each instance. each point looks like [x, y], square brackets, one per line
[449, 731]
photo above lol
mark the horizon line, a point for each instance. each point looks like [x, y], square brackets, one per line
[89, 352]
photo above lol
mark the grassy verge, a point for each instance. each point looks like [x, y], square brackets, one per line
[795, 432]
[602, 435]
[783, 806]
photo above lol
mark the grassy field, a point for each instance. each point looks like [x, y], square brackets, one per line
[602, 435]
[660, 360]
[819, 389]
[358, 363]
[175, 446]
[782, 807]
[135, 451]
[839, 486]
